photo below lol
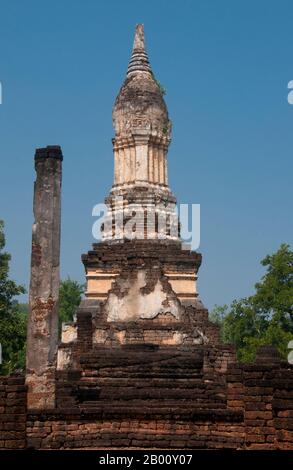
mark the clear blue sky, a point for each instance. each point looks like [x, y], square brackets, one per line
[225, 66]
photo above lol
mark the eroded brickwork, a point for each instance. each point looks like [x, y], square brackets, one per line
[171, 400]
[13, 412]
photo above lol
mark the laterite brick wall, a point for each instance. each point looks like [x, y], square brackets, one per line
[12, 412]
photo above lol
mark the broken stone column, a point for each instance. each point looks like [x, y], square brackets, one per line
[42, 335]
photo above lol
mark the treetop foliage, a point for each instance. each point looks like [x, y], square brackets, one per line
[266, 317]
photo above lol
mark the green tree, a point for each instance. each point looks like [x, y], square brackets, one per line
[265, 317]
[274, 294]
[12, 319]
[69, 299]
[217, 316]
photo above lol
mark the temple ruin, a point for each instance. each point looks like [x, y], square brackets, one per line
[141, 366]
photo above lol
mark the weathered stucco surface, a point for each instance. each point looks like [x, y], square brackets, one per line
[135, 304]
[68, 333]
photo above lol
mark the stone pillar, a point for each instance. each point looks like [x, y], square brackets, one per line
[141, 150]
[161, 166]
[121, 164]
[132, 157]
[156, 164]
[116, 164]
[166, 167]
[42, 336]
[151, 163]
[127, 164]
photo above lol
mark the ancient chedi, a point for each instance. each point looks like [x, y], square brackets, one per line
[141, 284]
[141, 366]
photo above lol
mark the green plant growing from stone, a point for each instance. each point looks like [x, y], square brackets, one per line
[160, 86]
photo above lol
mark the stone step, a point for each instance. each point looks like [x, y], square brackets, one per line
[129, 393]
[188, 405]
[134, 374]
[160, 382]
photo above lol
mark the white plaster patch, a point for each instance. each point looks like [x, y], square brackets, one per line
[196, 338]
[121, 336]
[63, 359]
[136, 305]
[99, 336]
[69, 333]
[175, 339]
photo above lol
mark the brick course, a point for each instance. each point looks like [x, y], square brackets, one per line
[247, 407]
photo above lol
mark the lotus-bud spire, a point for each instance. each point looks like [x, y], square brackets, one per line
[139, 61]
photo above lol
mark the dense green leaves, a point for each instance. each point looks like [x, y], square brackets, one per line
[267, 316]
[12, 315]
[70, 296]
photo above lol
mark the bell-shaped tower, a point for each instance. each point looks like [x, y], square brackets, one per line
[142, 137]
[141, 283]
[141, 123]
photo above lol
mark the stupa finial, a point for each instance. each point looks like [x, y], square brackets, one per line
[139, 61]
